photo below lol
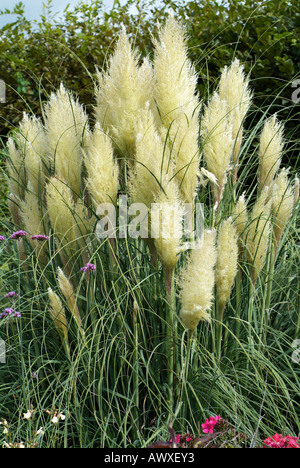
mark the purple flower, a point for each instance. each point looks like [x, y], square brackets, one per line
[11, 294]
[18, 234]
[88, 267]
[40, 237]
[9, 312]
[2, 238]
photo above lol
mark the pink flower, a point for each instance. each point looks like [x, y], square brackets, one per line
[11, 294]
[18, 234]
[88, 267]
[2, 238]
[40, 237]
[209, 425]
[280, 441]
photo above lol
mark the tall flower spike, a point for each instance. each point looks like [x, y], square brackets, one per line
[61, 208]
[121, 92]
[177, 104]
[166, 225]
[270, 151]
[16, 170]
[197, 282]
[258, 233]
[153, 167]
[217, 141]
[58, 315]
[66, 125]
[32, 144]
[282, 204]
[102, 169]
[234, 89]
[227, 263]
[31, 214]
[67, 289]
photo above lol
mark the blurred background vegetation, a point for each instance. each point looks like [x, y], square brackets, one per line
[35, 57]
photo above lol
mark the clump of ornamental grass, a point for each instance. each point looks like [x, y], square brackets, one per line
[128, 335]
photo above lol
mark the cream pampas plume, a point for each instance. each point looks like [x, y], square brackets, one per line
[31, 214]
[258, 233]
[227, 263]
[32, 144]
[234, 89]
[60, 206]
[58, 315]
[102, 170]
[270, 151]
[218, 142]
[282, 204]
[67, 289]
[178, 104]
[121, 92]
[16, 170]
[66, 125]
[153, 168]
[166, 226]
[197, 282]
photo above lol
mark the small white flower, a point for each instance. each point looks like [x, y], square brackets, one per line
[54, 420]
[27, 415]
[40, 431]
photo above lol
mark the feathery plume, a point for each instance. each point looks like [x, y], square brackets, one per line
[218, 142]
[58, 315]
[32, 144]
[177, 104]
[227, 262]
[31, 214]
[166, 225]
[60, 206]
[102, 170]
[197, 282]
[282, 204]
[16, 170]
[234, 89]
[67, 289]
[270, 151]
[258, 233]
[153, 168]
[122, 91]
[66, 124]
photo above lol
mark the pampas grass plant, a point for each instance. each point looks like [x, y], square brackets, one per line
[116, 338]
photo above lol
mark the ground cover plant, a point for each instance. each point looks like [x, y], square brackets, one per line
[124, 317]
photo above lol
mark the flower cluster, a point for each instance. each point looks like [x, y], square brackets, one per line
[18, 235]
[40, 237]
[11, 294]
[210, 424]
[10, 312]
[280, 441]
[88, 267]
